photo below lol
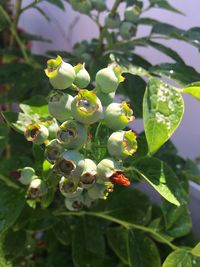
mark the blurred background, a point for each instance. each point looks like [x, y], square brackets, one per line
[65, 29]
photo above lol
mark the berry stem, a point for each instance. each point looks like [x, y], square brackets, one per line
[115, 7]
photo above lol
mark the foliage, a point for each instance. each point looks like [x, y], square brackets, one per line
[122, 228]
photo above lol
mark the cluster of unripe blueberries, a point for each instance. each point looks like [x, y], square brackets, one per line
[82, 180]
[127, 27]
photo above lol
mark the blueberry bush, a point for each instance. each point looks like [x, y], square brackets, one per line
[70, 161]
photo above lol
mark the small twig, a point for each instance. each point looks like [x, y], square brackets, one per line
[32, 4]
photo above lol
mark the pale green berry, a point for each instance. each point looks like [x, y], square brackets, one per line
[98, 191]
[99, 5]
[72, 134]
[86, 107]
[82, 6]
[127, 30]
[122, 144]
[61, 74]
[37, 189]
[108, 79]
[27, 174]
[132, 13]
[53, 151]
[112, 21]
[87, 201]
[105, 99]
[69, 188]
[53, 127]
[36, 133]
[106, 168]
[66, 165]
[87, 169]
[74, 204]
[111, 170]
[82, 79]
[118, 115]
[59, 105]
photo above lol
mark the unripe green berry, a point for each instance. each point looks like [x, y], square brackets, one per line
[53, 151]
[87, 169]
[106, 168]
[127, 30]
[72, 134]
[99, 5]
[69, 188]
[37, 189]
[82, 6]
[66, 165]
[132, 13]
[61, 74]
[87, 201]
[105, 99]
[100, 190]
[118, 115]
[82, 79]
[36, 133]
[52, 127]
[113, 21]
[86, 107]
[108, 79]
[74, 204]
[59, 105]
[27, 174]
[122, 144]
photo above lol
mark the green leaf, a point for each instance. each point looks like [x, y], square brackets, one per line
[62, 232]
[4, 130]
[11, 204]
[88, 247]
[196, 250]
[165, 5]
[193, 35]
[163, 109]
[180, 73]
[140, 61]
[133, 69]
[178, 220]
[190, 36]
[148, 21]
[57, 3]
[142, 251]
[36, 105]
[117, 240]
[168, 30]
[181, 258]
[42, 13]
[166, 50]
[193, 89]
[133, 87]
[191, 171]
[129, 205]
[40, 220]
[133, 247]
[18, 121]
[162, 178]
[14, 243]
[3, 261]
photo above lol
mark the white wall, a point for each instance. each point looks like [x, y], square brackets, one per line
[64, 33]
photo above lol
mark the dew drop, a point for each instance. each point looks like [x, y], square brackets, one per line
[171, 105]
